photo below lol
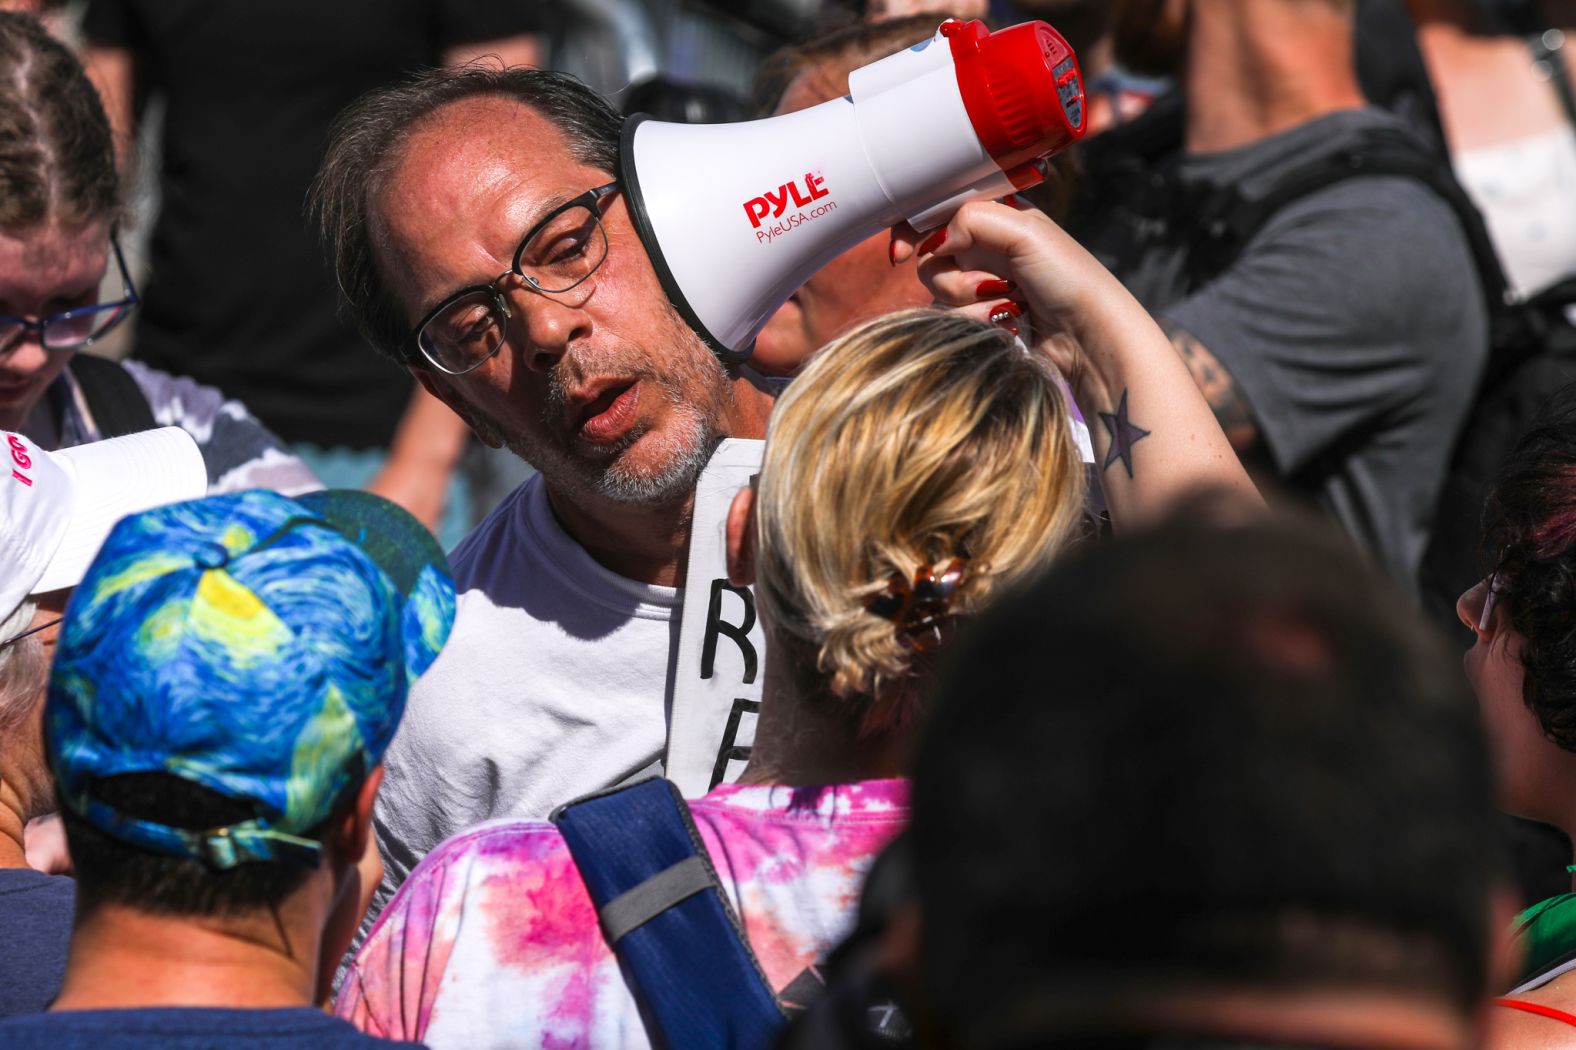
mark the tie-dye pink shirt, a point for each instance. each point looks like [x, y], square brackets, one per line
[492, 940]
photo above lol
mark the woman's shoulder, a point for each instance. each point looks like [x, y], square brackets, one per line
[481, 851]
[1527, 1027]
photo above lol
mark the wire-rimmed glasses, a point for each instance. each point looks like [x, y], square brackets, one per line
[557, 254]
[46, 625]
[1489, 600]
[77, 328]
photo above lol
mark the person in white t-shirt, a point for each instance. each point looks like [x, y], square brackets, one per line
[484, 242]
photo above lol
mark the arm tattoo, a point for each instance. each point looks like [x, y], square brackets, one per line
[1218, 388]
[1124, 436]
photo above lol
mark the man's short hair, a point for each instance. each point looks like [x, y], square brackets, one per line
[840, 52]
[1202, 756]
[366, 144]
[110, 871]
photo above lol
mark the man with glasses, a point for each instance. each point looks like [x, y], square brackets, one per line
[64, 285]
[55, 510]
[482, 241]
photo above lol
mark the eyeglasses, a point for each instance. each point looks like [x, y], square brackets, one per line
[31, 630]
[75, 329]
[466, 329]
[1487, 592]
[1488, 602]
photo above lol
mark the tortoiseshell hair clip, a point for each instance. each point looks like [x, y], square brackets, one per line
[918, 608]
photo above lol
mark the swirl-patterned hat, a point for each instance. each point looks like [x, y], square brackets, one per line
[256, 645]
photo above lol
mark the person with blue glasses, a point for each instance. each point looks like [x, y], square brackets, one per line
[60, 198]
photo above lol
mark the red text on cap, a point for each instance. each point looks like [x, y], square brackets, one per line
[22, 460]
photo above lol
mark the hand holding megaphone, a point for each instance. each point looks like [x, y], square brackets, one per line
[1014, 268]
[1128, 380]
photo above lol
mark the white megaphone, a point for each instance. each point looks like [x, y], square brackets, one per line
[736, 217]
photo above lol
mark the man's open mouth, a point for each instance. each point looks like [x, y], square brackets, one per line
[603, 412]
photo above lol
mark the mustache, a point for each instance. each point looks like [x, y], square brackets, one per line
[577, 368]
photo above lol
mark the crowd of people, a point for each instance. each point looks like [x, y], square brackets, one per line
[1037, 641]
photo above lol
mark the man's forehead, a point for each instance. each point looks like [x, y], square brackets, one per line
[473, 117]
[449, 148]
[467, 182]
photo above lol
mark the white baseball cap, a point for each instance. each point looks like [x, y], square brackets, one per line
[56, 508]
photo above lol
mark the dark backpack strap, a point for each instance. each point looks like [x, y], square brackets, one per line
[1228, 219]
[117, 403]
[665, 915]
[1391, 70]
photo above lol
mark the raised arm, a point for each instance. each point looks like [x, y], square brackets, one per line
[1155, 437]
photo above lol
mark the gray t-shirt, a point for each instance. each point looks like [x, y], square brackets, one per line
[1353, 323]
[35, 927]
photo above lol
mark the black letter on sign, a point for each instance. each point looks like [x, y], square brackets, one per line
[729, 752]
[716, 625]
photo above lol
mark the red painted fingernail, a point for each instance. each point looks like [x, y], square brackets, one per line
[987, 289]
[934, 241]
[1010, 329]
[1005, 311]
[892, 252]
[1012, 200]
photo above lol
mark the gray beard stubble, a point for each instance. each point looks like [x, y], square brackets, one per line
[694, 431]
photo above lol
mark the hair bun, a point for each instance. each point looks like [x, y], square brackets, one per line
[919, 607]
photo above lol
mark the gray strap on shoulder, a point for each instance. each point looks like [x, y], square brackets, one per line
[640, 904]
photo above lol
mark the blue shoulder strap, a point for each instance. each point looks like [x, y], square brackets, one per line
[664, 914]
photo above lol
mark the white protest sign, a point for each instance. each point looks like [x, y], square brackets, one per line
[722, 651]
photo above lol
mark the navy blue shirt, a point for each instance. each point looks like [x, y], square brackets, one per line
[185, 1028]
[35, 927]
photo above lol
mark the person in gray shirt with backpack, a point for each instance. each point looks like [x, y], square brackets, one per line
[1340, 335]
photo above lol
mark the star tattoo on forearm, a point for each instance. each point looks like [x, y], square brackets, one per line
[1124, 435]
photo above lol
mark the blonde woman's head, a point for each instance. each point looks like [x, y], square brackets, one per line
[915, 439]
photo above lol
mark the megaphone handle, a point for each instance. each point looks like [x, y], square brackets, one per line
[994, 185]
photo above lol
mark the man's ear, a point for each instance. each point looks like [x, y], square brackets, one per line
[356, 830]
[433, 384]
[741, 538]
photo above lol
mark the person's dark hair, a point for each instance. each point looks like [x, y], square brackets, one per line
[57, 156]
[1202, 756]
[681, 102]
[841, 50]
[366, 144]
[109, 871]
[1083, 23]
[1530, 537]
